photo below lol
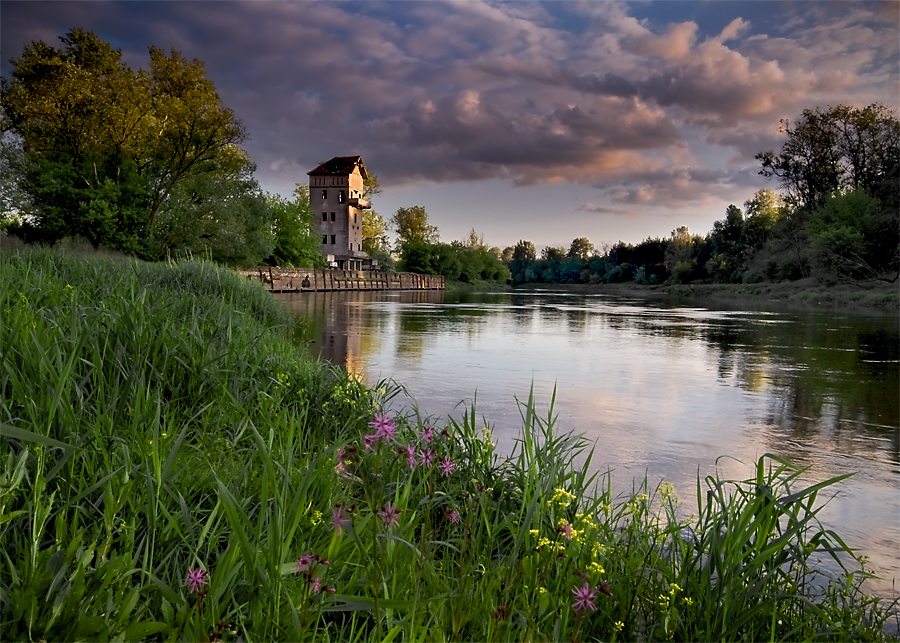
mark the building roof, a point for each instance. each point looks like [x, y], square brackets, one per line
[340, 166]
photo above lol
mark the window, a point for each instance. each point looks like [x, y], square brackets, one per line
[332, 220]
[324, 195]
[342, 196]
[324, 216]
[324, 239]
[332, 239]
[354, 217]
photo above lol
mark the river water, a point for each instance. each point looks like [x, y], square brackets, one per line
[659, 389]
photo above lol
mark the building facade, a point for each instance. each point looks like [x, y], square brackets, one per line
[336, 190]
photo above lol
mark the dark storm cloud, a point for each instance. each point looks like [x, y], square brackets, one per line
[526, 92]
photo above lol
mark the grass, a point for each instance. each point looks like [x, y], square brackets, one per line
[174, 468]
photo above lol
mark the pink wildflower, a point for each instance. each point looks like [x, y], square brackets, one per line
[196, 578]
[427, 434]
[409, 452]
[584, 598]
[338, 518]
[452, 516]
[426, 457]
[384, 426]
[447, 466]
[304, 562]
[389, 514]
[565, 529]
[317, 586]
[368, 440]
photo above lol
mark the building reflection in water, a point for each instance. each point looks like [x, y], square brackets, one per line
[344, 327]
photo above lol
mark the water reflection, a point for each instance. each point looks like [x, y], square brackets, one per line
[660, 390]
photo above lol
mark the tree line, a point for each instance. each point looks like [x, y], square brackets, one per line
[837, 217]
[149, 163]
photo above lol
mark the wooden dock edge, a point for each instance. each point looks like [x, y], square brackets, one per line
[287, 280]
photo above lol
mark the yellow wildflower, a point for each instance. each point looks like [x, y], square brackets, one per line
[562, 497]
[618, 625]
[596, 569]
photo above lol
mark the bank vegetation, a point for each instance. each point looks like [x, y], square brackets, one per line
[174, 467]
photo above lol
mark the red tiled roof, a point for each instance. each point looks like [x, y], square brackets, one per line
[340, 166]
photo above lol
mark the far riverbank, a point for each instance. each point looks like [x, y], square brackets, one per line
[873, 296]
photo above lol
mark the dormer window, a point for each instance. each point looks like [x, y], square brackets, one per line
[324, 195]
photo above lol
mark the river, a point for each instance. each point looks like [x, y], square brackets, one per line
[659, 389]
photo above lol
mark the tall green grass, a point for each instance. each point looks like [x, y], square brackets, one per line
[157, 419]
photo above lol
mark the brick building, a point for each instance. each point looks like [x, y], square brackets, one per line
[336, 190]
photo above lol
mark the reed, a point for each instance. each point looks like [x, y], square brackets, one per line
[175, 468]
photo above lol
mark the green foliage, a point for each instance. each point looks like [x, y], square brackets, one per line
[375, 240]
[117, 156]
[853, 237]
[839, 148]
[411, 225]
[223, 216]
[296, 246]
[581, 248]
[455, 261]
[156, 419]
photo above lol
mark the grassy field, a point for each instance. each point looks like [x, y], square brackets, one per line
[175, 468]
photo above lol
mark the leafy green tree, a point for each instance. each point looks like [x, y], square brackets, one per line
[522, 258]
[225, 217]
[852, 237]
[762, 213]
[839, 148]
[581, 248]
[295, 244]
[107, 148]
[728, 247]
[411, 225]
[475, 240]
[684, 252]
[374, 232]
[375, 240]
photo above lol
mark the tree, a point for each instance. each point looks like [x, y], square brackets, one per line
[295, 245]
[837, 149]
[223, 215]
[375, 240]
[553, 253]
[581, 248]
[762, 212]
[475, 240]
[107, 148]
[728, 246]
[374, 232]
[852, 237]
[681, 255]
[411, 225]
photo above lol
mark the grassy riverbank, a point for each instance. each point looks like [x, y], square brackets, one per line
[174, 468]
[874, 296]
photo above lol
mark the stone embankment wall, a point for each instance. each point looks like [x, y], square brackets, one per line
[309, 280]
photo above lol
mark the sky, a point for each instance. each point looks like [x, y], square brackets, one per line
[543, 121]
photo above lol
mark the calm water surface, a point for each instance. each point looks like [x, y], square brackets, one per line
[659, 389]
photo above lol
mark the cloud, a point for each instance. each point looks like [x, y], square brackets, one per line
[674, 44]
[650, 114]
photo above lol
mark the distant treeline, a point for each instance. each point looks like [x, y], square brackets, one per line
[838, 218]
